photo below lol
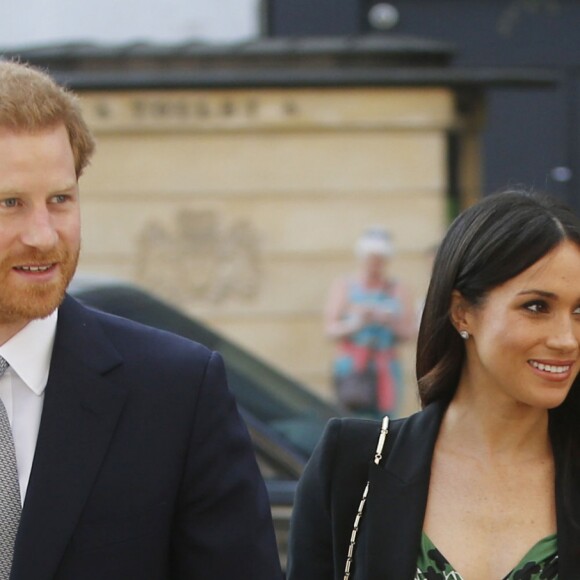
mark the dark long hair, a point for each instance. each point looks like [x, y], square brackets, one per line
[488, 244]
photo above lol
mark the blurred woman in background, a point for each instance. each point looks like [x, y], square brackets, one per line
[369, 314]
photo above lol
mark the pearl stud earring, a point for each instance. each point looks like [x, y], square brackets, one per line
[464, 334]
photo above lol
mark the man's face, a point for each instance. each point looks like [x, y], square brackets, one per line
[39, 225]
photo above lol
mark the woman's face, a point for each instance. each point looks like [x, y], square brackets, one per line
[524, 339]
[374, 265]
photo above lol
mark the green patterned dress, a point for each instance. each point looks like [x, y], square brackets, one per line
[540, 563]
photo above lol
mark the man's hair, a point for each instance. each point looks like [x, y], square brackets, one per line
[31, 101]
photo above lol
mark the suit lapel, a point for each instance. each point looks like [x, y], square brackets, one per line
[81, 409]
[398, 497]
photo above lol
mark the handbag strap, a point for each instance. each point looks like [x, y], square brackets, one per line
[361, 506]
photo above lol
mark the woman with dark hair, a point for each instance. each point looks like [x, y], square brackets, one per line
[484, 482]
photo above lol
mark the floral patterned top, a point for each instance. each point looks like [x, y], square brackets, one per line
[540, 563]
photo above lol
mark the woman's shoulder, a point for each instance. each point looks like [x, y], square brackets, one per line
[351, 441]
[353, 429]
[341, 288]
[350, 437]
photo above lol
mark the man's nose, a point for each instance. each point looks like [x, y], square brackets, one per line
[39, 231]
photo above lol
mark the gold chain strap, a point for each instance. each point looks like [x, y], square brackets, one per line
[361, 505]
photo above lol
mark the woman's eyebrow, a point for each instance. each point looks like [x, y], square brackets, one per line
[535, 292]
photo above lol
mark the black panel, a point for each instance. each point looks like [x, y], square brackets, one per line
[314, 17]
[530, 135]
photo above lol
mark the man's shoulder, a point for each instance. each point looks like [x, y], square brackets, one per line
[127, 335]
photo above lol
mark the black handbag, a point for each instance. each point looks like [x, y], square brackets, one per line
[357, 390]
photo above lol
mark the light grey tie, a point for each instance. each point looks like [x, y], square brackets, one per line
[9, 490]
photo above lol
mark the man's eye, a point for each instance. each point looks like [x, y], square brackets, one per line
[60, 198]
[10, 202]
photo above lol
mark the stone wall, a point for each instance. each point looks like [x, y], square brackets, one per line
[242, 206]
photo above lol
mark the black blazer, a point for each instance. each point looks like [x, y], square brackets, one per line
[389, 538]
[143, 469]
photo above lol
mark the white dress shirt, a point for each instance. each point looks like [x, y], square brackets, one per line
[22, 388]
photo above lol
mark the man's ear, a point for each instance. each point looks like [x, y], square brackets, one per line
[458, 313]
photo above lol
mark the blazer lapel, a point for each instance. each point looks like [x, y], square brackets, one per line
[395, 509]
[81, 409]
[397, 498]
[567, 516]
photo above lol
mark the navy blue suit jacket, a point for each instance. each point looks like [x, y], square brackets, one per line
[143, 469]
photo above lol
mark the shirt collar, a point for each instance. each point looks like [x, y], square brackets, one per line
[30, 350]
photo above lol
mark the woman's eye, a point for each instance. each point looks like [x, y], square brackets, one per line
[536, 306]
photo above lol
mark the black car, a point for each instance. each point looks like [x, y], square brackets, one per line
[285, 419]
